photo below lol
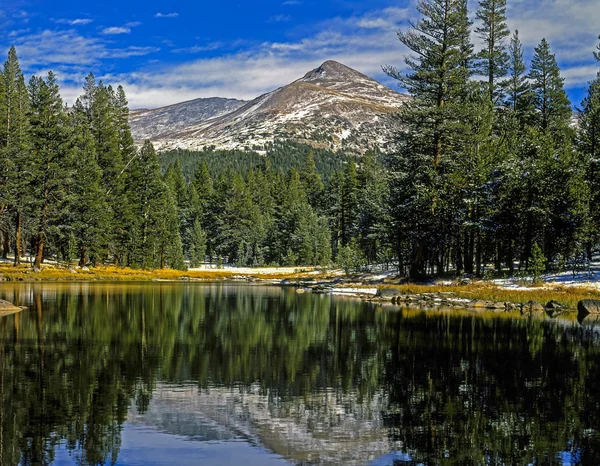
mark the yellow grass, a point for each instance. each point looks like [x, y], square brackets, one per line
[566, 295]
[52, 273]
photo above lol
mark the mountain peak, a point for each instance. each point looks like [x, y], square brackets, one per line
[333, 71]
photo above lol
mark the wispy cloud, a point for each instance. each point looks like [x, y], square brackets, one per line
[116, 30]
[166, 15]
[200, 48]
[70, 49]
[291, 2]
[74, 22]
[18, 32]
[280, 19]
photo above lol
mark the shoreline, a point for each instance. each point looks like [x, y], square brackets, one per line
[379, 288]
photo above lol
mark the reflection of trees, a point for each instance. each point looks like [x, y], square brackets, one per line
[463, 389]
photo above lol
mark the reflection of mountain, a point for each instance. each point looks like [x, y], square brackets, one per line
[328, 427]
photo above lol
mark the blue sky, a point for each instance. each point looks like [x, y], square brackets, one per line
[167, 52]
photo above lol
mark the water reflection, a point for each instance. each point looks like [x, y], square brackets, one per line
[312, 379]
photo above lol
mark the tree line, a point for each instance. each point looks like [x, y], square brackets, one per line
[73, 185]
[492, 167]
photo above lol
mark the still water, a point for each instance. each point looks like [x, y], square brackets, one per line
[223, 374]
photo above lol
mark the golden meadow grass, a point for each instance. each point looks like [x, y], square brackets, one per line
[569, 296]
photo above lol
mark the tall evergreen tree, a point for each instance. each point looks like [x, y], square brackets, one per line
[88, 208]
[15, 150]
[53, 169]
[550, 98]
[589, 145]
[493, 59]
[518, 89]
[156, 241]
[438, 80]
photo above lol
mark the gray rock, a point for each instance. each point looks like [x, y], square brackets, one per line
[387, 294]
[533, 306]
[589, 306]
[555, 305]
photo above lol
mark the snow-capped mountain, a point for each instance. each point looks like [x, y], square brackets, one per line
[332, 106]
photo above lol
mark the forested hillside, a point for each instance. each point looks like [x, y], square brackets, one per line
[491, 172]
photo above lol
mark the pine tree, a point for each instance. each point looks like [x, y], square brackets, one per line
[550, 98]
[519, 95]
[589, 146]
[438, 79]
[198, 242]
[15, 150]
[311, 181]
[88, 207]
[493, 59]
[52, 173]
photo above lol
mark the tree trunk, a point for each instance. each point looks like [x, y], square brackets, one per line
[41, 238]
[417, 268]
[478, 254]
[5, 244]
[82, 257]
[18, 252]
[510, 257]
[459, 256]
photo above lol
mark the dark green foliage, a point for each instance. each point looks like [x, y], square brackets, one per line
[87, 213]
[550, 98]
[16, 156]
[493, 59]
[519, 95]
[281, 156]
[53, 161]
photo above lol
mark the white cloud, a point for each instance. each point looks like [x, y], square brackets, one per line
[116, 30]
[74, 22]
[69, 48]
[166, 15]
[291, 3]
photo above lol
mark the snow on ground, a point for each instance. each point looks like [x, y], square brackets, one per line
[590, 278]
[258, 270]
[354, 291]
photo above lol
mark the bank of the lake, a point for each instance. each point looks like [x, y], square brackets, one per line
[476, 295]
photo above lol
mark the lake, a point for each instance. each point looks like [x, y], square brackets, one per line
[142, 374]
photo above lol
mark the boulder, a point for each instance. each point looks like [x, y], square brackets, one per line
[496, 305]
[478, 304]
[533, 306]
[387, 294]
[589, 306]
[555, 306]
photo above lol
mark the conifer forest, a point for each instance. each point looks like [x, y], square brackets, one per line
[494, 171]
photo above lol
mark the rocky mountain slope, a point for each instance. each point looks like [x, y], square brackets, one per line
[332, 106]
[161, 122]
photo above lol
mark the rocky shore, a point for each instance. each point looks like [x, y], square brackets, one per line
[445, 300]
